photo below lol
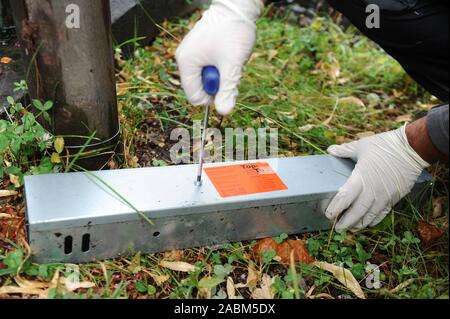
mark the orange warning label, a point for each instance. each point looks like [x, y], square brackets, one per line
[244, 179]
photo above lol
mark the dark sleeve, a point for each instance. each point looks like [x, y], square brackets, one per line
[437, 122]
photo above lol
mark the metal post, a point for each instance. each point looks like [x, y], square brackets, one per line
[72, 66]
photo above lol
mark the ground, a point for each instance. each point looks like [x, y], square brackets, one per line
[319, 84]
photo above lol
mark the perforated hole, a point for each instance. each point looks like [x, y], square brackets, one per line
[86, 243]
[68, 245]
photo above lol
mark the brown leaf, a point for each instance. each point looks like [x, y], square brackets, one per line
[332, 69]
[6, 193]
[301, 253]
[23, 283]
[177, 266]
[306, 128]
[39, 289]
[75, 285]
[175, 82]
[252, 278]
[204, 293]
[263, 246]
[5, 60]
[272, 54]
[437, 208]
[265, 290]
[19, 290]
[159, 279]
[283, 250]
[404, 118]
[231, 291]
[174, 255]
[134, 266]
[343, 140]
[344, 276]
[403, 285]
[428, 233]
[14, 180]
[365, 134]
[352, 100]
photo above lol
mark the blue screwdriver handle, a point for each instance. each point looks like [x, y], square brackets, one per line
[211, 80]
[211, 85]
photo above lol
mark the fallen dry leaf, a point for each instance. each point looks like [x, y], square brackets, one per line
[402, 286]
[352, 100]
[252, 278]
[343, 140]
[134, 266]
[74, 285]
[428, 233]
[263, 246]
[265, 290]
[14, 180]
[6, 60]
[39, 289]
[177, 266]
[396, 93]
[334, 71]
[160, 279]
[6, 290]
[310, 291]
[3, 215]
[174, 255]
[6, 193]
[175, 82]
[344, 276]
[204, 293]
[231, 291]
[365, 134]
[306, 128]
[30, 284]
[301, 253]
[283, 250]
[437, 208]
[272, 54]
[404, 118]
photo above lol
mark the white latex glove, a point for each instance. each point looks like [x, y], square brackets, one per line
[224, 38]
[386, 170]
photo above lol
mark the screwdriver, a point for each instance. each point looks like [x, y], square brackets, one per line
[211, 85]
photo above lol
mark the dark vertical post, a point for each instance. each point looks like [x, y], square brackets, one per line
[73, 66]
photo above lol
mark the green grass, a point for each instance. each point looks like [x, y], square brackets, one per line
[319, 85]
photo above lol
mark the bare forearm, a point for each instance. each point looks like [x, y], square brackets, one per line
[420, 141]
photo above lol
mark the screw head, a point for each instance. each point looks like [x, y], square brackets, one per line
[198, 183]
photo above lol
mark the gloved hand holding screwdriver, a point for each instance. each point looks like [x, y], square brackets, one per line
[387, 164]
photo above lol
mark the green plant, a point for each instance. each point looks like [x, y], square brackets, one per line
[25, 145]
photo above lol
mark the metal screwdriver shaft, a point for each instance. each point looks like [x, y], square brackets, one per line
[202, 152]
[211, 85]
